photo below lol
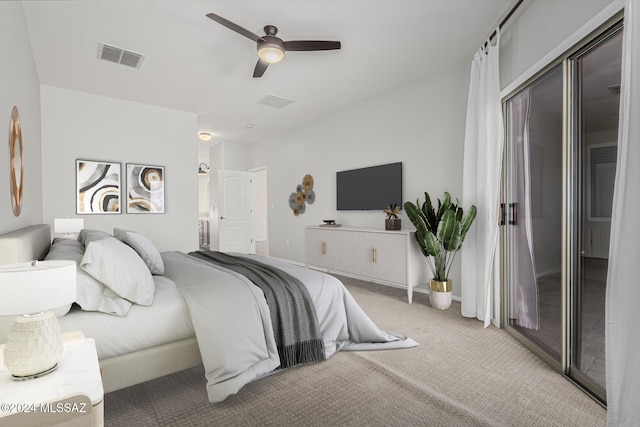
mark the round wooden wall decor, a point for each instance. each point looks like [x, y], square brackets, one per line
[15, 161]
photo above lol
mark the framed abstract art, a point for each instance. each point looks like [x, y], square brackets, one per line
[145, 188]
[97, 187]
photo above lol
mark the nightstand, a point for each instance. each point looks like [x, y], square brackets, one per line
[72, 395]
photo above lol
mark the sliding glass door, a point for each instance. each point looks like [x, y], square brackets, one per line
[560, 163]
[533, 209]
[595, 72]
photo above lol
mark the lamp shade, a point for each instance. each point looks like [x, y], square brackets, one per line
[33, 287]
[68, 225]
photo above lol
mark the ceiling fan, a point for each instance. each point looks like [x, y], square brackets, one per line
[271, 49]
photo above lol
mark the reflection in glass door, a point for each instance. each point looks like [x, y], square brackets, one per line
[596, 88]
[534, 213]
[560, 164]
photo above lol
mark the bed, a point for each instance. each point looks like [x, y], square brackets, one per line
[199, 308]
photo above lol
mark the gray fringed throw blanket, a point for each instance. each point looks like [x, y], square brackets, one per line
[293, 316]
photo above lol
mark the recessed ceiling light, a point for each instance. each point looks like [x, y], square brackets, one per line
[205, 136]
[250, 125]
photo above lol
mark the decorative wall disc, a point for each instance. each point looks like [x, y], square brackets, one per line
[16, 169]
[304, 194]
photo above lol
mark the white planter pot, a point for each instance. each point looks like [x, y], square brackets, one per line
[440, 294]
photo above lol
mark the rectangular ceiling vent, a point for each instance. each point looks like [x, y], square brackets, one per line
[119, 56]
[275, 101]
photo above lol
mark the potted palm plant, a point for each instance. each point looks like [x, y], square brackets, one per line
[440, 233]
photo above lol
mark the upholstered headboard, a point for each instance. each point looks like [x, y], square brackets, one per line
[25, 244]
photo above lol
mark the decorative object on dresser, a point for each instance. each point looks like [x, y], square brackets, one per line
[34, 344]
[386, 257]
[145, 188]
[15, 161]
[304, 194]
[392, 222]
[97, 187]
[70, 227]
[440, 234]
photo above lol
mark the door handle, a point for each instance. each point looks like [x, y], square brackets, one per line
[222, 217]
[513, 213]
[502, 220]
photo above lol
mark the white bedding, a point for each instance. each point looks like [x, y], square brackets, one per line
[231, 320]
[233, 326]
[167, 320]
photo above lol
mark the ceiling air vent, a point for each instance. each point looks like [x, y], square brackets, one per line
[275, 101]
[119, 56]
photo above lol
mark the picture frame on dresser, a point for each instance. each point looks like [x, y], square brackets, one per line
[145, 188]
[97, 187]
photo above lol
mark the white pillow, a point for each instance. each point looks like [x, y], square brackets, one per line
[91, 295]
[144, 247]
[86, 236]
[120, 268]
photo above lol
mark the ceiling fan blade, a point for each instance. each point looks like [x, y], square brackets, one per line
[235, 27]
[307, 45]
[261, 67]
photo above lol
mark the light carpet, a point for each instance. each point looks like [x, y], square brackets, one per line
[460, 375]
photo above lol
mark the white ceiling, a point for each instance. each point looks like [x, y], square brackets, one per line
[194, 64]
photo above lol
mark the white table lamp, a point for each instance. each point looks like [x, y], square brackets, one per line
[70, 227]
[34, 344]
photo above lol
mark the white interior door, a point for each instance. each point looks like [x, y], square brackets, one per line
[235, 209]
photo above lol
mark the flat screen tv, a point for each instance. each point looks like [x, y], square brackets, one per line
[372, 188]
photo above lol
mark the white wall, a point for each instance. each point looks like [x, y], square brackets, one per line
[20, 87]
[79, 125]
[537, 28]
[420, 124]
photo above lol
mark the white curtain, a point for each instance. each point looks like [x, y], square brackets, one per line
[623, 277]
[484, 140]
[524, 285]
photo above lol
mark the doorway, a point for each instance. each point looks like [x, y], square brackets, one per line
[261, 211]
[239, 211]
[560, 163]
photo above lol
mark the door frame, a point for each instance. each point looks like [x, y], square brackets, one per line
[254, 172]
[571, 207]
[249, 222]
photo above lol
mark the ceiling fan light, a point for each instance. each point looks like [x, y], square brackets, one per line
[271, 52]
